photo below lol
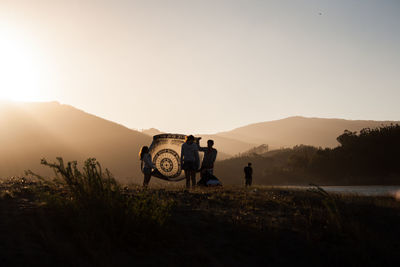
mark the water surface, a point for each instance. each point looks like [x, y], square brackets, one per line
[366, 190]
[362, 190]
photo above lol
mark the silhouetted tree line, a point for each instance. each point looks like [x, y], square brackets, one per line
[371, 156]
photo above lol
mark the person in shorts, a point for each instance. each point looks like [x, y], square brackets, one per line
[190, 160]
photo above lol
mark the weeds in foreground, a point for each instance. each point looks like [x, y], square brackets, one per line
[93, 207]
[329, 202]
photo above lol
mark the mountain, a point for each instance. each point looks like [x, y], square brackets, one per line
[299, 130]
[151, 131]
[258, 150]
[32, 131]
[226, 147]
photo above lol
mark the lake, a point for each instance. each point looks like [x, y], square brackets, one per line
[363, 190]
[366, 190]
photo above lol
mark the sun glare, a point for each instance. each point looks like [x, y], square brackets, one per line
[19, 71]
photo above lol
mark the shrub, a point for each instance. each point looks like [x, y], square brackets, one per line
[93, 207]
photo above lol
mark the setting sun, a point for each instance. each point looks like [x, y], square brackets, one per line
[19, 71]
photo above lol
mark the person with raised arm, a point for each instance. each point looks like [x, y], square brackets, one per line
[190, 160]
[210, 155]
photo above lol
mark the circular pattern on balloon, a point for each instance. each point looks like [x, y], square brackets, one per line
[168, 163]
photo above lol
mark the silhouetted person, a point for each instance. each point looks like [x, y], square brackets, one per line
[190, 160]
[146, 164]
[210, 154]
[248, 174]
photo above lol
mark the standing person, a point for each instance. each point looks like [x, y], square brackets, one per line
[248, 174]
[146, 164]
[210, 154]
[190, 160]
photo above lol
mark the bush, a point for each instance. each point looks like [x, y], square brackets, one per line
[95, 210]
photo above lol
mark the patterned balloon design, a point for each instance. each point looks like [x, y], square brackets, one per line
[165, 151]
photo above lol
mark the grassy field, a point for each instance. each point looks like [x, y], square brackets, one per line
[229, 226]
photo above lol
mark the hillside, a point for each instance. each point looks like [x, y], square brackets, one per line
[31, 131]
[227, 145]
[299, 130]
[366, 158]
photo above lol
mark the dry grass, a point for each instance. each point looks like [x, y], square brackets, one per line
[230, 226]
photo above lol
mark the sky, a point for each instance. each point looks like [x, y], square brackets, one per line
[204, 66]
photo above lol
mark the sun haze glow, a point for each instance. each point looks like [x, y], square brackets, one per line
[19, 71]
[204, 66]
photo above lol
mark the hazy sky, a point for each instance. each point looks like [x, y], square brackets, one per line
[204, 66]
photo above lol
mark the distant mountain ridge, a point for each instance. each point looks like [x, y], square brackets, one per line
[31, 131]
[298, 130]
[151, 131]
[288, 132]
